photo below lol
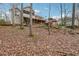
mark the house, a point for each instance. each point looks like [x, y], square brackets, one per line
[26, 16]
[53, 22]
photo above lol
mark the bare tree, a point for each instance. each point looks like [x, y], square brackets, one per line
[61, 13]
[6, 17]
[77, 13]
[30, 24]
[49, 18]
[3, 11]
[13, 13]
[65, 10]
[21, 25]
[73, 15]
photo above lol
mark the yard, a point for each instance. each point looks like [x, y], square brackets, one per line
[17, 42]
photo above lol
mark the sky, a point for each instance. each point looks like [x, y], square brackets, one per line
[42, 9]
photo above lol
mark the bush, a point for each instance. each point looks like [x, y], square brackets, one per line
[2, 22]
[61, 24]
[43, 26]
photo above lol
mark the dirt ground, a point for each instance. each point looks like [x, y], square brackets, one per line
[17, 42]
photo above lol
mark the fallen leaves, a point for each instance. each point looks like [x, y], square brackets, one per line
[14, 41]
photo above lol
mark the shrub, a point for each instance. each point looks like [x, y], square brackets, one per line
[2, 22]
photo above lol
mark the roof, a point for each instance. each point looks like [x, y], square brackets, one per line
[28, 9]
[52, 20]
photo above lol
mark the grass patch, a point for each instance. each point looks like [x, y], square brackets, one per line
[43, 26]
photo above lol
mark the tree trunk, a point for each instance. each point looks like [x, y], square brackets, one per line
[13, 14]
[49, 18]
[30, 24]
[21, 25]
[78, 21]
[64, 15]
[73, 15]
[61, 13]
